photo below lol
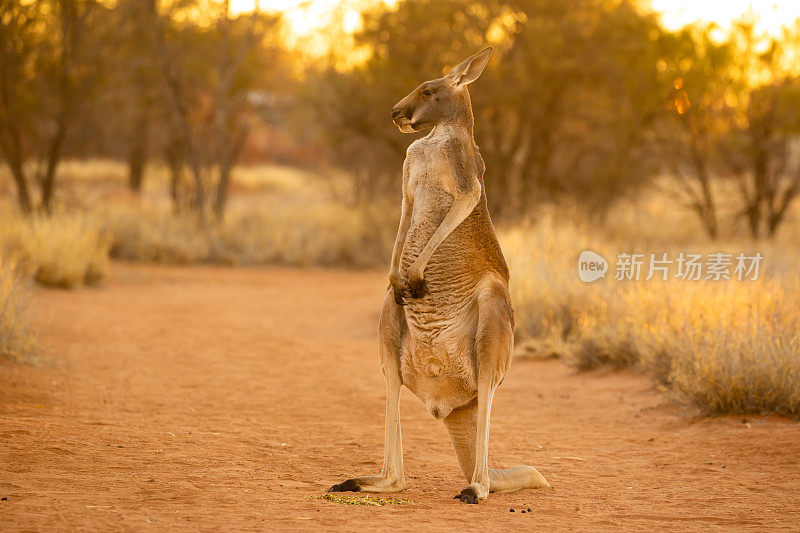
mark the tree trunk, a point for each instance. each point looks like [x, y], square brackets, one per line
[53, 158]
[221, 200]
[225, 168]
[777, 213]
[709, 215]
[137, 156]
[174, 163]
[136, 163]
[174, 188]
[706, 208]
[23, 195]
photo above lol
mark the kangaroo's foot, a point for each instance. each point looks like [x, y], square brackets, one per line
[516, 478]
[472, 494]
[369, 484]
[501, 481]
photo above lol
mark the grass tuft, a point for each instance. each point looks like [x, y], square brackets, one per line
[16, 341]
[63, 250]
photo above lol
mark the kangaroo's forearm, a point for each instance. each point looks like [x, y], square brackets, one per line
[405, 222]
[459, 211]
[402, 231]
[399, 242]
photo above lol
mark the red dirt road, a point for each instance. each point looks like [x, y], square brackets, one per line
[212, 398]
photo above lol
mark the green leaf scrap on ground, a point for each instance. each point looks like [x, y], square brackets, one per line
[362, 500]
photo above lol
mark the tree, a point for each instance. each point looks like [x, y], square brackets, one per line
[134, 78]
[695, 70]
[733, 119]
[767, 127]
[46, 70]
[208, 74]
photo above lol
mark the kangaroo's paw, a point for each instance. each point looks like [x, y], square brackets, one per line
[369, 484]
[418, 287]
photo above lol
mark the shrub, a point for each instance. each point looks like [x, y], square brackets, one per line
[16, 342]
[64, 250]
[276, 233]
[724, 346]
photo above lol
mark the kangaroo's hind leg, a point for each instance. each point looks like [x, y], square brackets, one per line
[392, 479]
[462, 425]
[469, 425]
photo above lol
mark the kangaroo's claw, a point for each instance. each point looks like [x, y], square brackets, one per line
[398, 297]
[349, 485]
[400, 289]
[467, 495]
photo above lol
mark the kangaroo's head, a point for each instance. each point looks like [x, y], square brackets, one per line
[441, 100]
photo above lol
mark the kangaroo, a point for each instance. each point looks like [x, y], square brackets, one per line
[447, 326]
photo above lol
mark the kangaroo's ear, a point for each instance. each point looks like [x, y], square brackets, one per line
[468, 70]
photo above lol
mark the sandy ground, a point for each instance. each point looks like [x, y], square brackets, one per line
[211, 398]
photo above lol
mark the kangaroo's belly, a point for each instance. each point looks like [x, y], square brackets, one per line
[441, 369]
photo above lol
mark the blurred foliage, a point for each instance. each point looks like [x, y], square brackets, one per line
[584, 100]
[563, 107]
[735, 116]
[50, 65]
[588, 100]
[137, 80]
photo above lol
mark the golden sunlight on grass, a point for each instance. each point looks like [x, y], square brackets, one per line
[278, 232]
[281, 215]
[65, 250]
[722, 346]
[16, 341]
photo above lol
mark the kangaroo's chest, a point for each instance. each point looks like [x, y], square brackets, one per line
[428, 175]
[428, 180]
[450, 273]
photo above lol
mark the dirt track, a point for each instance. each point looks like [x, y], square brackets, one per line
[228, 399]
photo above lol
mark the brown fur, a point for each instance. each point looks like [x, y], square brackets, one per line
[447, 326]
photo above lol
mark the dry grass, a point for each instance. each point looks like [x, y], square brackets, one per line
[723, 346]
[63, 250]
[277, 215]
[16, 341]
[280, 232]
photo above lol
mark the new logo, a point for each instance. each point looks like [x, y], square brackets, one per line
[591, 266]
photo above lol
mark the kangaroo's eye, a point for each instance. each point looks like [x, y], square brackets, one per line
[427, 92]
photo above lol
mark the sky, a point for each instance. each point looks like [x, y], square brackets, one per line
[772, 14]
[305, 16]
